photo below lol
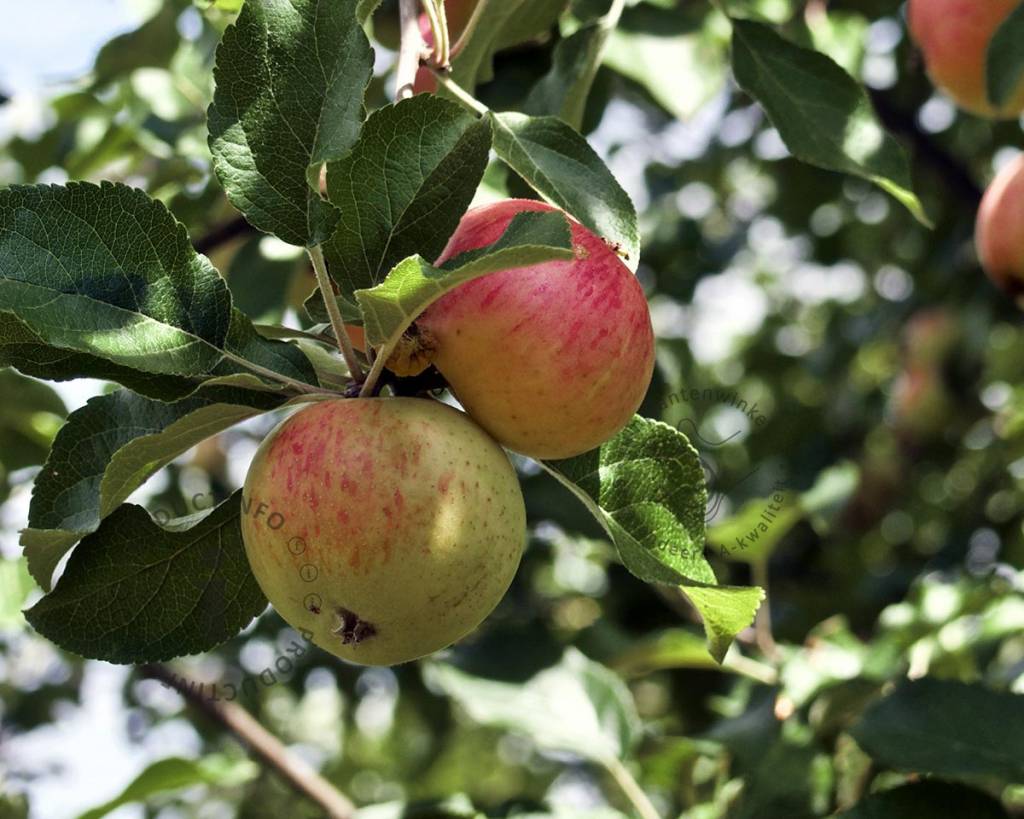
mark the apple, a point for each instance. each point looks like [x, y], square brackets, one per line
[930, 337]
[999, 231]
[383, 529]
[920, 404]
[551, 359]
[954, 36]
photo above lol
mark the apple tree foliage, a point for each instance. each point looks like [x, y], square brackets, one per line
[159, 235]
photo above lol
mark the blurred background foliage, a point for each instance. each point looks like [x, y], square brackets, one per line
[815, 342]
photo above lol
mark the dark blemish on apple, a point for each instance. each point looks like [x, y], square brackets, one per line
[352, 629]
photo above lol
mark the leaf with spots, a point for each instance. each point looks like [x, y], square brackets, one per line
[290, 77]
[646, 488]
[136, 592]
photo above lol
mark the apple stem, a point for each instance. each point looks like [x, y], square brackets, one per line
[375, 371]
[323, 281]
[460, 93]
[439, 28]
[298, 386]
[410, 51]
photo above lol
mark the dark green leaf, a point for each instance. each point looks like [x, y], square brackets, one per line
[135, 592]
[1004, 65]
[822, 114]
[646, 487]
[151, 45]
[403, 188]
[26, 351]
[27, 424]
[270, 354]
[927, 800]
[502, 23]
[109, 448]
[290, 83]
[559, 164]
[105, 270]
[947, 728]
[259, 284]
[563, 91]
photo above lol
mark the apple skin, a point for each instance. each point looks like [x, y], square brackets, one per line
[954, 36]
[411, 521]
[920, 405]
[553, 359]
[999, 231]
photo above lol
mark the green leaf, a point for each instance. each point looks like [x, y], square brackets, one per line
[27, 352]
[392, 306]
[27, 424]
[456, 806]
[290, 82]
[726, 611]
[646, 488]
[277, 356]
[755, 531]
[946, 728]
[109, 448]
[563, 91]
[1004, 62]
[317, 310]
[151, 45]
[15, 586]
[365, 10]
[822, 114]
[174, 774]
[926, 800]
[559, 164]
[502, 24]
[136, 592]
[603, 726]
[330, 369]
[259, 284]
[105, 270]
[403, 188]
[683, 648]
